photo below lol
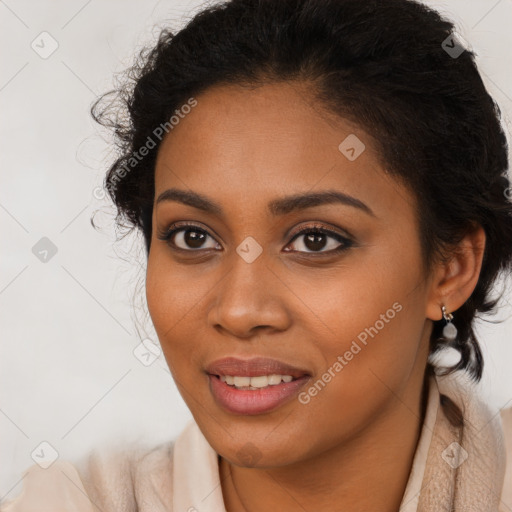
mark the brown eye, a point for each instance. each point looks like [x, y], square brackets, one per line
[315, 240]
[188, 238]
[312, 240]
[191, 237]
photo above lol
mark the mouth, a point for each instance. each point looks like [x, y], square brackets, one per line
[254, 386]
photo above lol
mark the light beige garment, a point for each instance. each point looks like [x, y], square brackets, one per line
[183, 476]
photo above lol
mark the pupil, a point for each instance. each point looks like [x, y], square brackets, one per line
[315, 241]
[194, 238]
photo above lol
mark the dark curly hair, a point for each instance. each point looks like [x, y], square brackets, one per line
[386, 66]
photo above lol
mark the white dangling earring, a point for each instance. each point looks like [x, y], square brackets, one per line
[449, 330]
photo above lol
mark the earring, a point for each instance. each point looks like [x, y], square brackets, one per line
[449, 330]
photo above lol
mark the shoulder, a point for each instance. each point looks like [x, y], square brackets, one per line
[109, 480]
[58, 487]
[506, 421]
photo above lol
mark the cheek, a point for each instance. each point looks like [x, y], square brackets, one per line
[172, 292]
[372, 317]
[176, 295]
[167, 298]
[368, 355]
[158, 289]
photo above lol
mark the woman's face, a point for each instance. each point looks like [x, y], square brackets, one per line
[343, 303]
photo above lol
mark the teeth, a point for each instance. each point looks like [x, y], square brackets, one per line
[261, 381]
[274, 379]
[242, 381]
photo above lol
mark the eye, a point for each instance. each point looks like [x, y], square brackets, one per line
[316, 238]
[187, 237]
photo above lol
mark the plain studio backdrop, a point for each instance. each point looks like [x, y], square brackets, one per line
[74, 375]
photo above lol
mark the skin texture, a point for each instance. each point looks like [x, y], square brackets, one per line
[351, 447]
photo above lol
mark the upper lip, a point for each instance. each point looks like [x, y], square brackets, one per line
[253, 367]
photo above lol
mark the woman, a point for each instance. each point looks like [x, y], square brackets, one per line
[322, 192]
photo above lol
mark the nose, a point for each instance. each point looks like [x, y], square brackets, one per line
[249, 299]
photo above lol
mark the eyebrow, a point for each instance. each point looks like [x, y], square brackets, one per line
[281, 206]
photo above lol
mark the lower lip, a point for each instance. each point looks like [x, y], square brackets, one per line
[257, 401]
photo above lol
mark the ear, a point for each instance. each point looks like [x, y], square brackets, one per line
[453, 281]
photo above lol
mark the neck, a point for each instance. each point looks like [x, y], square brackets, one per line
[369, 472]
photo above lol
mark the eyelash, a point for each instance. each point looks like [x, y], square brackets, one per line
[346, 243]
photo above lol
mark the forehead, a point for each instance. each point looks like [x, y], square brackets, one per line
[259, 142]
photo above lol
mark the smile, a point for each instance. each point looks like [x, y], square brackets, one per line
[253, 400]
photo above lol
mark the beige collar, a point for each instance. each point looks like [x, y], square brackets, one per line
[466, 463]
